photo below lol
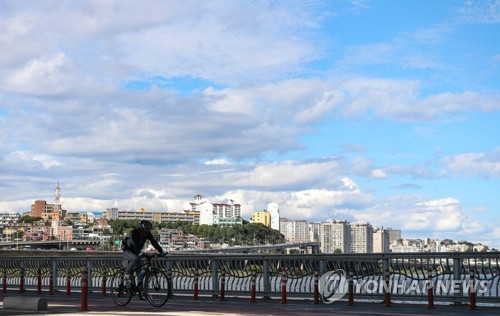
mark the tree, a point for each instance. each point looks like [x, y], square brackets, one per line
[29, 219]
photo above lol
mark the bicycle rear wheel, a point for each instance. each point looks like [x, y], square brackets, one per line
[119, 292]
[156, 287]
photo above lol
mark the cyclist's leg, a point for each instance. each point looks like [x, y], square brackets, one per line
[130, 260]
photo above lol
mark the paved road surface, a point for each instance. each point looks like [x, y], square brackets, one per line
[181, 306]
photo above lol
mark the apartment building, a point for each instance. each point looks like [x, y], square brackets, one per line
[380, 240]
[294, 230]
[47, 211]
[335, 235]
[187, 216]
[9, 217]
[314, 229]
[222, 214]
[394, 234]
[361, 238]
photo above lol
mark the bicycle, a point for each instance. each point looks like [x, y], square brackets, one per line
[153, 285]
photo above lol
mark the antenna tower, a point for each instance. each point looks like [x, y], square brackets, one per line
[57, 197]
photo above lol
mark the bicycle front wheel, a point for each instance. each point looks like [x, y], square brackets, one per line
[119, 292]
[156, 287]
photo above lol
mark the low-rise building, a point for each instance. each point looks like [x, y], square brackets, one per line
[261, 217]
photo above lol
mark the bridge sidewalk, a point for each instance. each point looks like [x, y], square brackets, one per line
[180, 306]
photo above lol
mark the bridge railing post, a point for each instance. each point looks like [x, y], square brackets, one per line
[316, 287]
[350, 288]
[387, 288]
[39, 280]
[195, 284]
[430, 289]
[54, 275]
[21, 278]
[104, 282]
[222, 296]
[266, 279]
[84, 287]
[215, 278]
[457, 281]
[51, 282]
[4, 280]
[90, 274]
[472, 290]
[170, 282]
[68, 282]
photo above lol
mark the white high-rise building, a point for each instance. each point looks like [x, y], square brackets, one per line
[206, 209]
[314, 229]
[295, 230]
[335, 235]
[361, 238]
[227, 214]
[217, 213]
[380, 240]
[274, 210]
[112, 213]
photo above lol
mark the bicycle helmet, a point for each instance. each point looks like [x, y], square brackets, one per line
[146, 225]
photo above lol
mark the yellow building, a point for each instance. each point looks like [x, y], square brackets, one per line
[262, 217]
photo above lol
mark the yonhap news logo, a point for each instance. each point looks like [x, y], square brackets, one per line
[333, 286]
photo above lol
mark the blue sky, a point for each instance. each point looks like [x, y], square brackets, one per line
[377, 111]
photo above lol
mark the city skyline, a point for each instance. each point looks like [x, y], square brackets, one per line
[368, 111]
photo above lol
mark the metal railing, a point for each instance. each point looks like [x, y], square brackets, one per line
[409, 274]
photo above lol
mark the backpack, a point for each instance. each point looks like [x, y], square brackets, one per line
[126, 242]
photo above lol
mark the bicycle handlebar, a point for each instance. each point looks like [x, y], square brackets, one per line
[150, 255]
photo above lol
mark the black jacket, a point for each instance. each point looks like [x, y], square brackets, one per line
[135, 242]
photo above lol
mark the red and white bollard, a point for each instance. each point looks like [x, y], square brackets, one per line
[195, 285]
[4, 280]
[430, 290]
[21, 281]
[51, 282]
[39, 281]
[68, 283]
[222, 285]
[387, 289]
[85, 288]
[283, 287]
[316, 287]
[472, 291]
[104, 280]
[350, 299]
[253, 287]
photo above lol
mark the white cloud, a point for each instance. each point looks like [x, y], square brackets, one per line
[312, 204]
[413, 213]
[379, 174]
[440, 215]
[30, 159]
[473, 164]
[40, 76]
[399, 99]
[218, 162]
[479, 12]
[300, 101]
[288, 173]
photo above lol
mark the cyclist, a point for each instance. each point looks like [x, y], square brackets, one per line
[133, 245]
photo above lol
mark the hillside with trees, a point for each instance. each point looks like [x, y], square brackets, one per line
[246, 234]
